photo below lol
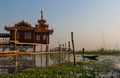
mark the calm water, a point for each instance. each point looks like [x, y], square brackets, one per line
[40, 61]
[113, 59]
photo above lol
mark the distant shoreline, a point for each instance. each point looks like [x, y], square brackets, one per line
[104, 53]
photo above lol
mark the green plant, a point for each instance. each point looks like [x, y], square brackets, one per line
[66, 70]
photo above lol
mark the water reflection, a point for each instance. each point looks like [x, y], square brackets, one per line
[40, 61]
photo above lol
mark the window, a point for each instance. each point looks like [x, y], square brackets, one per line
[44, 37]
[37, 37]
[17, 35]
[12, 35]
[28, 35]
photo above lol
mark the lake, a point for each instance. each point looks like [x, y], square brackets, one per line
[40, 61]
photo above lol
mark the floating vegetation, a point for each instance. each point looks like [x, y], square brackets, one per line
[66, 70]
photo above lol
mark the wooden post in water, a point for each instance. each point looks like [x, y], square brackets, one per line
[15, 48]
[41, 48]
[41, 59]
[65, 46]
[60, 53]
[83, 50]
[47, 48]
[65, 54]
[34, 56]
[72, 39]
[41, 55]
[47, 56]
[69, 50]
[3, 46]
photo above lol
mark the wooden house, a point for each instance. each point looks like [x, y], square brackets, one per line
[25, 33]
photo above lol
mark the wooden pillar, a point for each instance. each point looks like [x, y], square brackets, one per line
[41, 55]
[15, 39]
[41, 48]
[16, 63]
[72, 39]
[65, 54]
[34, 46]
[60, 53]
[47, 48]
[15, 48]
[3, 46]
[41, 60]
[83, 50]
[47, 56]
[68, 50]
[63, 47]
[68, 45]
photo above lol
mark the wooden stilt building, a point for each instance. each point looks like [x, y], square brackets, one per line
[28, 34]
[23, 32]
[23, 36]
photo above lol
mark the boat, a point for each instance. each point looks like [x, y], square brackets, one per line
[91, 57]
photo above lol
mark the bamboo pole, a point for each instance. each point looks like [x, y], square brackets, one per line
[72, 39]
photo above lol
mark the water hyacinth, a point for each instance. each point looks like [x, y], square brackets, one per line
[66, 70]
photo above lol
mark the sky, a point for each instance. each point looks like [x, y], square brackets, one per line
[95, 23]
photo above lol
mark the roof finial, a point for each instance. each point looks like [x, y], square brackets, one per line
[41, 14]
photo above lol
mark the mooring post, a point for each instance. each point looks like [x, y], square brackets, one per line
[60, 52]
[72, 39]
[69, 50]
[83, 50]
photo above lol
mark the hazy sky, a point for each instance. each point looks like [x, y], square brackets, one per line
[92, 21]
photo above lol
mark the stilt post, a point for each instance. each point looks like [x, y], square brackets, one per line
[34, 56]
[83, 50]
[47, 48]
[72, 39]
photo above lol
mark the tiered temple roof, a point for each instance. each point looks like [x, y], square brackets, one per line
[41, 27]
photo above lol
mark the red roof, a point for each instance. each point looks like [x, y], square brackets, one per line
[20, 26]
[43, 28]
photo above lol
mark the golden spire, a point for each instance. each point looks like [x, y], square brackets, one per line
[41, 14]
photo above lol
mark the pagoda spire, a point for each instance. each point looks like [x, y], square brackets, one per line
[41, 20]
[41, 14]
